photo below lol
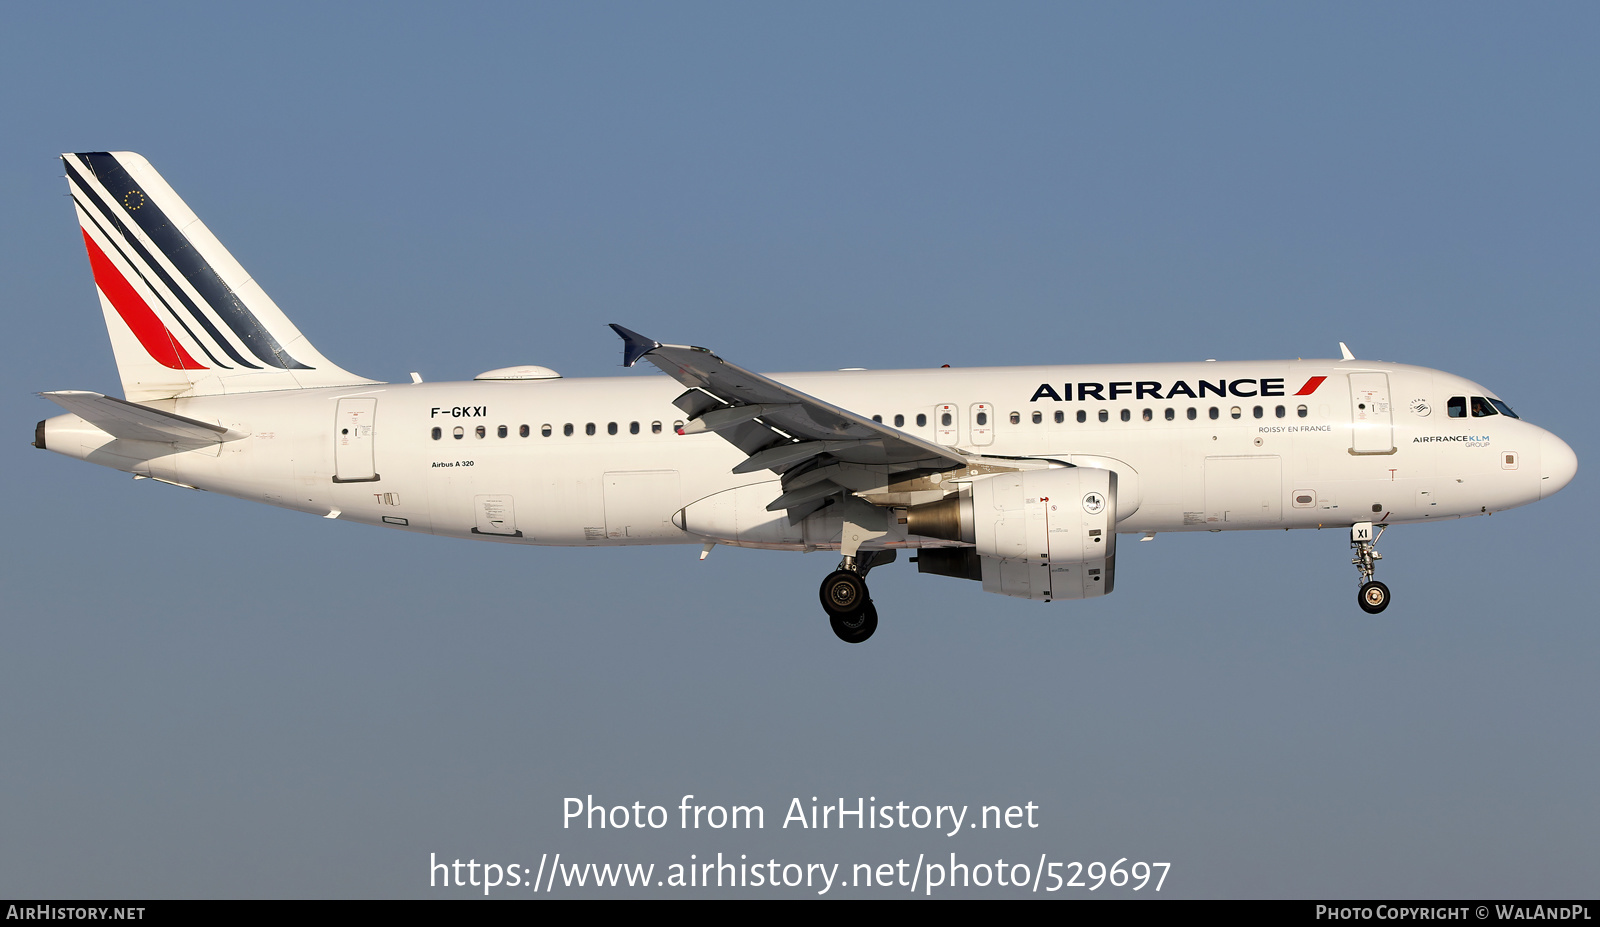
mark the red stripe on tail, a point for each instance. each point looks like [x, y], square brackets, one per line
[1311, 386]
[136, 312]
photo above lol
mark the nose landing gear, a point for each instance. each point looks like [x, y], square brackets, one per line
[1374, 596]
[845, 598]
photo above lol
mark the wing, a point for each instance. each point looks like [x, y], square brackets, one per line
[782, 429]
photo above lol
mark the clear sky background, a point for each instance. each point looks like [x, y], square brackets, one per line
[204, 697]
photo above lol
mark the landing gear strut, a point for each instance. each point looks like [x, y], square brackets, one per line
[845, 598]
[1374, 596]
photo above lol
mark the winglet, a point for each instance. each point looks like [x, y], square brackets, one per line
[1342, 350]
[634, 345]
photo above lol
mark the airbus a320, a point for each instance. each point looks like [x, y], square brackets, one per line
[1020, 478]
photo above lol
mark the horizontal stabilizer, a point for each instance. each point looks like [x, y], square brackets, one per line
[131, 421]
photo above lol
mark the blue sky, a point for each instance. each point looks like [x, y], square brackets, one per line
[201, 697]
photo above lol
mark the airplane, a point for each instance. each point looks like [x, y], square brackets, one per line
[1020, 478]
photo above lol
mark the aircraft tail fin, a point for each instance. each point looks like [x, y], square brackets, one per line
[185, 318]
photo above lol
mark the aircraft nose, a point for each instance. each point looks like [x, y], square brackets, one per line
[1558, 463]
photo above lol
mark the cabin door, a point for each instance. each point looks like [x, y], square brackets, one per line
[1372, 422]
[352, 441]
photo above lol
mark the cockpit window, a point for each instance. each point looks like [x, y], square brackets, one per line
[1481, 408]
[1504, 409]
[1458, 407]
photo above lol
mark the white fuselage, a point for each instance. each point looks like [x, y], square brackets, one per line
[431, 457]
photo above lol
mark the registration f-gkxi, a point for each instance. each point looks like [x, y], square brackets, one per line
[1020, 478]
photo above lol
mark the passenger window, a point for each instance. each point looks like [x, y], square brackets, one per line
[544, 430]
[1171, 413]
[458, 432]
[1127, 415]
[1082, 416]
[922, 420]
[1258, 412]
[983, 418]
[567, 429]
[633, 428]
[1457, 406]
[655, 428]
[1016, 418]
[482, 431]
[1148, 415]
[899, 421]
[437, 434]
[611, 428]
[1215, 413]
[1192, 413]
[1105, 416]
[502, 431]
[1038, 417]
[1060, 416]
[945, 420]
[878, 419]
[1282, 411]
[1302, 411]
[1235, 412]
[523, 431]
[589, 428]
[1481, 408]
[677, 427]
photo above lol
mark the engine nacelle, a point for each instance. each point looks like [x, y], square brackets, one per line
[1037, 534]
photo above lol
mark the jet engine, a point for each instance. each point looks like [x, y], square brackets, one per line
[1036, 534]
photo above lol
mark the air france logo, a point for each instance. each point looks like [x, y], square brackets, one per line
[1094, 503]
[1244, 387]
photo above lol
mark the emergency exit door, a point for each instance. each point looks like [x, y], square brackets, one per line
[353, 438]
[982, 428]
[944, 423]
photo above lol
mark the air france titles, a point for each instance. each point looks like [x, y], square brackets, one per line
[1245, 387]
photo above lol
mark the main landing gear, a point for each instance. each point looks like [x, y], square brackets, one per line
[846, 600]
[1374, 596]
